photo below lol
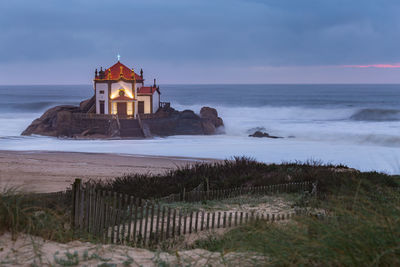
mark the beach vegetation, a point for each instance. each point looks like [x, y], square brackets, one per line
[29, 213]
[352, 219]
[244, 172]
[360, 228]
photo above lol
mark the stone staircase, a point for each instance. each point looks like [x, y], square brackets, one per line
[130, 128]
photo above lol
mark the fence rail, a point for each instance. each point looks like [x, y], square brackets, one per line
[122, 219]
[196, 195]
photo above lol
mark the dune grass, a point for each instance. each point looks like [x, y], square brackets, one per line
[241, 172]
[32, 214]
[357, 229]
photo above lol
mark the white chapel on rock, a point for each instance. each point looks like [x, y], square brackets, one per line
[120, 91]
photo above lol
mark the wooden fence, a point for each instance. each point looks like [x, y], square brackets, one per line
[122, 219]
[199, 195]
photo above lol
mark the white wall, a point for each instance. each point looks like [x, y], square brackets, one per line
[156, 101]
[146, 100]
[102, 97]
[115, 87]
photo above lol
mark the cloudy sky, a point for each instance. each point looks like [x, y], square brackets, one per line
[203, 41]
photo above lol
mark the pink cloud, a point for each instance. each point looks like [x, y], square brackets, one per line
[379, 66]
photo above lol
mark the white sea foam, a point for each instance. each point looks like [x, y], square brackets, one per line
[322, 134]
[309, 124]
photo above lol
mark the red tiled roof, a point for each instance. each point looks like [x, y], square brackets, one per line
[147, 90]
[116, 70]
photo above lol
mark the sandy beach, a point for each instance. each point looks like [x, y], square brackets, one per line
[43, 171]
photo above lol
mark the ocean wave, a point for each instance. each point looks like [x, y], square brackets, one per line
[36, 107]
[376, 115]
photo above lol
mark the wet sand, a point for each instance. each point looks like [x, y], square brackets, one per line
[43, 171]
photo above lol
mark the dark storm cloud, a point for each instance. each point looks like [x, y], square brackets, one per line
[249, 32]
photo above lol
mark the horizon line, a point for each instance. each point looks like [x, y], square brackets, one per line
[76, 84]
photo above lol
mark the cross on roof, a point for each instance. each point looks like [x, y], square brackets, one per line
[118, 57]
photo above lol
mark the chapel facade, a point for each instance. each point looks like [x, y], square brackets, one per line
[120, 91]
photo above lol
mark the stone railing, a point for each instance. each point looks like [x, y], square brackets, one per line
[95, 116]
[165, 104]
[153, 116]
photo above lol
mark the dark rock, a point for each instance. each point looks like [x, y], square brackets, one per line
[211, 114]
[66, 121]
[71, 121]
[168, 121]
[260, 134]
[255, 129]
[51, 123]
[208, 127]
[188, 114]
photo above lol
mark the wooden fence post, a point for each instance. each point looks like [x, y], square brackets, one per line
[224, 220]
[130, 218]
[151, 235]
[75, 203]
[108, 217]
[202, 221]
[113, 216]
[145, 224]
[236, 215]
[168, 222]
[162, 224]
[179, 222]
[184, 222]
[140, 234]
[86, 215]
[135, 222]
[118, 219]
[157, 222]
[197, 221]
[173, 223]
[191, 222]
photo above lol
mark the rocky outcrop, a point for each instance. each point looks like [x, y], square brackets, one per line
[173, 122]
[52, 122]
[210, 120]
[70, 121]
[74, 122]
[260, 134]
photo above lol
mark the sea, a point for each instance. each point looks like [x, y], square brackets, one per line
[354, 125]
